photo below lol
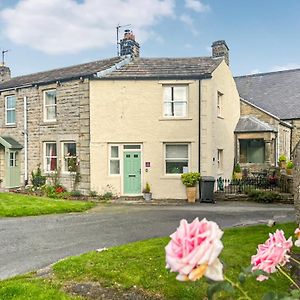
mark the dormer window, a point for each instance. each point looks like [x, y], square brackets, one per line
[50, 111]
[175, 101]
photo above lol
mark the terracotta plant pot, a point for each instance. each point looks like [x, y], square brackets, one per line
[282, 164]
[289, 171]
[191, 193]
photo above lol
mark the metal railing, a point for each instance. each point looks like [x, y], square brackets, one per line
[242, 186]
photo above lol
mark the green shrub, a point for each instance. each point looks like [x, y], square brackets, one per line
[147, 188]
[237, 168]
[37, 179]
[93, 194]
[282, 157]
[290, 165]
[76, 194]
[190, 179]
[49, 191]
[264, 196]
[108, 195]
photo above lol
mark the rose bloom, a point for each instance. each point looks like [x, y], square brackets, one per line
[297, 233]
[273, 253]
[194, 249]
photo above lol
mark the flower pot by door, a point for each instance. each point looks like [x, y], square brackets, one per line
[289, 171]
[191, 192]
[282, 164]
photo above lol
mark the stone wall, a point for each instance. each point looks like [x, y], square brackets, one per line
[295, 132]
[284, 132]
[72, 124]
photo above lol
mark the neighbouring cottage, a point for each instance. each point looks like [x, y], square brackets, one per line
[278, 95]
[45, 121]
[156, 118]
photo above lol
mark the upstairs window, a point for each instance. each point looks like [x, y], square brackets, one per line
[220, 105]
[175, 101]
[50, 106]
[10, 110]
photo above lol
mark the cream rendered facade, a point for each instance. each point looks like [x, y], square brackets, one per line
[130, 112]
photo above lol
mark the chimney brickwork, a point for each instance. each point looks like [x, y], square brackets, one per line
[4, 73]
[128, 45]
[220, 49]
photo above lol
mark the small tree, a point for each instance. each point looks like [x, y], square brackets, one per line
[37, 179]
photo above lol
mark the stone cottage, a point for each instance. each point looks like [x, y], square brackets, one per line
[45, 121]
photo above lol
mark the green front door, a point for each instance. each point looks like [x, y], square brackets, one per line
[132, 173]
[13, 169]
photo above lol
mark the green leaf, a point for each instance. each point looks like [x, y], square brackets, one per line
[218, 287]
[270, 296]
[242, 278]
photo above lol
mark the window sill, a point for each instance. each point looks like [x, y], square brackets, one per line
[45, 123]
[10, 125]
[170, 177]
[175, 119]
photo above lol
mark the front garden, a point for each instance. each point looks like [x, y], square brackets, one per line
[139, 269]
[17, 205]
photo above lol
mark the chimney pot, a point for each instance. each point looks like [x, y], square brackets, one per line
[4, 73]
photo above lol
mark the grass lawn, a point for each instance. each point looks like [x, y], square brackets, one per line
[142, 264]
[16, 205]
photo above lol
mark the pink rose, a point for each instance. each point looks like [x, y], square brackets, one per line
[297, 233]
[273, 253]
[194, 249]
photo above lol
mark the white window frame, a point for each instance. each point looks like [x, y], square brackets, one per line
[220, 160]
[10, 109]
[220, 104]
[49, 105]
[63, 157]
[172, 100]
[114, 158]
[45, 157]
[175, 159]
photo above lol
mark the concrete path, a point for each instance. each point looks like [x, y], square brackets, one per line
[30, 243]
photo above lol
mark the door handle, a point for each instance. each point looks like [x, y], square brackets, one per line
[131, 175]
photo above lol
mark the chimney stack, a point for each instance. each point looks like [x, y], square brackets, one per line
[220, 49]
[128, 45]
[4, 73]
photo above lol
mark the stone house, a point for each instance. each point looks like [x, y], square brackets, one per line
[156, 118]
[277, 94]
[260, 138]
[45, 121]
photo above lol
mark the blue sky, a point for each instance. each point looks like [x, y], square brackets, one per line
[263, 35]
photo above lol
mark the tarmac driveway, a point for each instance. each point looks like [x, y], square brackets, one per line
[29, 243]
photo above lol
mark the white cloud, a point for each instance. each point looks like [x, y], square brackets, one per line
[189, 22]
[285, 67]
[197, 5]
[67, 26]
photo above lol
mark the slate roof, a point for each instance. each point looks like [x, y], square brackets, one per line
[77, 71]
[275, 92]
[166, 68]
[252, 124]
[10, 142]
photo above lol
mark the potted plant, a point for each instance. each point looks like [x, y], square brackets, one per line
[289, 167]
[282, 161]
[147, 195]
[190, 181]
[237, 172]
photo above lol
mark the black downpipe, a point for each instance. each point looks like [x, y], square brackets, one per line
[199, 139]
